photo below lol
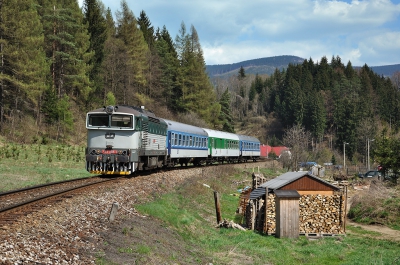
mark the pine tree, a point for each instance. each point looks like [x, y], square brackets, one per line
[136, 49]
[97, 30]
[241, 73]
[226, 114]
[114, 63]
[197, 92]
[23, 63]
[67, 45]
[146, 28]
[172, 92]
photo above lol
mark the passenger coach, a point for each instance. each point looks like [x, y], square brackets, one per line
[249, 148]
[186, 144]
[222, 146]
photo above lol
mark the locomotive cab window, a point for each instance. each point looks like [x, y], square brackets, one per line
[122, 121]
[98, 120]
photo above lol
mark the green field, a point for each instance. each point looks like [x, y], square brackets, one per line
[190, 210]
[33, 164]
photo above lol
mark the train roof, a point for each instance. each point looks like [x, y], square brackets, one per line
[125, 109]
[186, 128]
[223, 135]
[248, 138]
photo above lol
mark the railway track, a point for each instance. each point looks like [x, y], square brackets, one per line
[17, 203]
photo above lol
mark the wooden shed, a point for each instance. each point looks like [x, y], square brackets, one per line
[321, 205]
[287, 213]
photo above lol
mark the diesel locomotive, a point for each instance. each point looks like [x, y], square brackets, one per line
[125, 139]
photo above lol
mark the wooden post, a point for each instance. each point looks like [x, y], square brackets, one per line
[253, 215]
[259, 214]
[113, 212]
[217, 207]
[345, 210]
[265, 211]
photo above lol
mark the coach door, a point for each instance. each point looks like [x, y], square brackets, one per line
[170, 138]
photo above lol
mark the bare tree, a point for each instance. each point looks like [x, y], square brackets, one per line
[396, 79]
[297, 139]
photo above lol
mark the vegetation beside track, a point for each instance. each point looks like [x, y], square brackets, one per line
[189, 210]
[24, 165]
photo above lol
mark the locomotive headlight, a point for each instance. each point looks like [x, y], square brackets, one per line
[110, 109]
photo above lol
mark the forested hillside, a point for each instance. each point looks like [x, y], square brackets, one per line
[268, 65]
[59, 61]
[261, 66]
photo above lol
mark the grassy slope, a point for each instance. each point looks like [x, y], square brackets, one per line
[190, 210]
[29, 165]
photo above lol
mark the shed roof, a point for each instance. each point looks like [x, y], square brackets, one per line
[284, 180]
[287, 194]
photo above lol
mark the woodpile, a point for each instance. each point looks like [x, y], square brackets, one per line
[319, 214]
[270, 226]
[230, 224]
[256, 220]
[257, 180]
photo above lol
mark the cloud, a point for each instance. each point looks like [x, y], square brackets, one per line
[232, 30]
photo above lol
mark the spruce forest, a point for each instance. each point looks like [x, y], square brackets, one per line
[58, 61]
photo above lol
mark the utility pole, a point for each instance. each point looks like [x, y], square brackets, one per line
[368, 164]
[344, 155]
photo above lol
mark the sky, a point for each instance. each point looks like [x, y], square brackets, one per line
[231, 31]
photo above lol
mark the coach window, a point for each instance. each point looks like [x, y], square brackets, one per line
[180, 139]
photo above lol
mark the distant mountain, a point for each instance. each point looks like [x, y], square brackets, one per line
[268, 65]
[261, 66]
[386, 70]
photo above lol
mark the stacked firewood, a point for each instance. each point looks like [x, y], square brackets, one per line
[321, 214]
[269, 227]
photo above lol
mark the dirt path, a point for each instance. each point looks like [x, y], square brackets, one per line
[384, 231]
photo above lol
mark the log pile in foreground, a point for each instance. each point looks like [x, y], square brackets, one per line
[319, 214]
[322, 214]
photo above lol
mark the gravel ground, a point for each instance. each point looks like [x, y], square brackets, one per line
[77, 230]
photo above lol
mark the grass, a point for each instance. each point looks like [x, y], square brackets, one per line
[33, 164]
[190, 211]
[379, 205]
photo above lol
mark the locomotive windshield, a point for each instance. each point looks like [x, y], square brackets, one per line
[121, 121]
[104, 120]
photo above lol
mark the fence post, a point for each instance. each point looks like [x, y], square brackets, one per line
[217, 207]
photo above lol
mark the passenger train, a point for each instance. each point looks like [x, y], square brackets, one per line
[125, 139]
